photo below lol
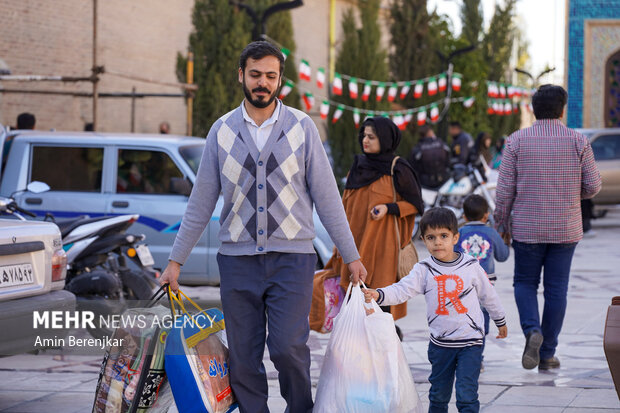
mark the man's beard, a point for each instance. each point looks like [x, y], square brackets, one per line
[260, 102]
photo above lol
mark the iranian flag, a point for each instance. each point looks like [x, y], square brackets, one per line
[337, 113]
[498, 107]
[356, 117]
[419, 88]
[399, 120]
[324, 109]
[366, 92]
[432, 86]
[490, 110]
[442, 83]
[507, 108]
[285, 53]
[408, 118]
[337, 84]
[392, 92]
[370, 114]
[502, 91]
[320, 78]
[286, 89]
[511, 91]
[492, 89]
[308, 100]
[404, 91]
[456, 82]
[515, 108]
[421, 116]
[305, 73]
[469, 102]
[434, 113]
[353, 88]
[380, 91]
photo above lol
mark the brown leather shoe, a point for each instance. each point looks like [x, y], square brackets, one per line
[548, 364]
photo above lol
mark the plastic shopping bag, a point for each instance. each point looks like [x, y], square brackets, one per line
[197, 361]
[365, 369]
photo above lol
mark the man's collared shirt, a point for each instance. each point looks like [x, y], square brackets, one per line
[546, 170]
[261, 133]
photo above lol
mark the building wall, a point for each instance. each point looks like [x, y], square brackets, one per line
[579, 12]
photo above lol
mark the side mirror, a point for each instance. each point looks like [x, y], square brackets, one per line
[37, 187]
[181, 186]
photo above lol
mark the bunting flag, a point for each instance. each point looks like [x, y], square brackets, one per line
[442, 82]
[510, 90]
[367, 89]
[432, 86]
[408, 118]
[421, 117]
[356, 118]
[434, 113]
[353, 88]
[498, 108]
[337, 113]
[507, 108]
[370, 114]
[456, 82]
[419, 88]
[308, 100]
[286, 89]
[324, 109]
[399, 120]
[285, 53]
[380, 91]
[502, 91]
[490, 110]
[493, 91]
[320, 78]
[392, 92]
[515, 108]
[469, 102]
[337, 84]
[305, 73]
[404, 91]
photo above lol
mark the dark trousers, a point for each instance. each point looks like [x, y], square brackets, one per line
[487, 324]
[446, 363]
[273, 290]
[556, 260]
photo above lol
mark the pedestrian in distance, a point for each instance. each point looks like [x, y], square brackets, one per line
[164, 128]
[546, 170]
[373, 214]
[267, 161]
[484, 143]
[453, 284]
[482, 242]
[26, 121]
[430, 158]
[462, 144]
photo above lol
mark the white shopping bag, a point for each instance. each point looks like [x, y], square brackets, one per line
[365, 369]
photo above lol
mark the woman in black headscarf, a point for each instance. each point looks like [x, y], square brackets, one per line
[369, 204]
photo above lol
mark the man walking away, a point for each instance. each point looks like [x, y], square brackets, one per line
[268, 162]
[430, 157]
[546, 170]
[462, 144]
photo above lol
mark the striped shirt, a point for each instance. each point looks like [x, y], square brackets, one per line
[546, 170]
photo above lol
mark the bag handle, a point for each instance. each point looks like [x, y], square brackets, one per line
[395, 217]
[372, 304]
[178, 298]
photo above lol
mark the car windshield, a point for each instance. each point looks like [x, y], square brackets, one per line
[192, 155]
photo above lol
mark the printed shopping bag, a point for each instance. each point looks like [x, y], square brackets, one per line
[333, 302]
[197, 360]
[132, 377]
[360, 373]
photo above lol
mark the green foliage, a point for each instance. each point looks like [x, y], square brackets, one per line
[359, 54]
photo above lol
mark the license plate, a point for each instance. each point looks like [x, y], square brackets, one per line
[144, 253]
[18, 274]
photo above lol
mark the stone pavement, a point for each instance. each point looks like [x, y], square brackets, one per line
[57, 381]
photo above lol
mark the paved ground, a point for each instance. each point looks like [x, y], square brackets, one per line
[56, 381]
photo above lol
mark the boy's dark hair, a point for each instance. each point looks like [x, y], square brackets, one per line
[549, 101]
[258, 50]
[439, 217]
[475, 207]
[25, 121]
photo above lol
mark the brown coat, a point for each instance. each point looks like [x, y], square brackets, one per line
[375, 241]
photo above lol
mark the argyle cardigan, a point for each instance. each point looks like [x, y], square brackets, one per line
[268, 195]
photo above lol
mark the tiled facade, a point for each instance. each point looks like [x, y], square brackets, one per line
[580, 14]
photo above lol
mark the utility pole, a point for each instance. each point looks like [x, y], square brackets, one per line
[95, 79]
[190, 96]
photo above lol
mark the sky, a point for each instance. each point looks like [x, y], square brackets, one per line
[542, 21]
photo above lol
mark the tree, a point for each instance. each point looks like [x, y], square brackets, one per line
[360, 54]
[216, 59]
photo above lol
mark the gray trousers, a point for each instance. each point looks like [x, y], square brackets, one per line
[274, 290]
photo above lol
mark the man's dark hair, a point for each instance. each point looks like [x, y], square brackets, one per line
[258, 50]
[456, 124]
[475, 207]
[26, 121]
[439, 217]
[424, 130]
[549, 101]
[89, 127]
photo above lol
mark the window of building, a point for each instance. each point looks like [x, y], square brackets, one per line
[68, 168]
[146, 172]
[612, 91]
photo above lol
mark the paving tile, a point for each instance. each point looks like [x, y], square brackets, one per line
[520, 409]
[589, 410]
[9, 399]
[65, 402]
[601, 398]
[538, 396]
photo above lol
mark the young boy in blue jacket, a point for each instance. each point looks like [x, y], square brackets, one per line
[480, 241]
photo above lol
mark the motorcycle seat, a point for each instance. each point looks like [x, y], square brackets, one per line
[69, 225]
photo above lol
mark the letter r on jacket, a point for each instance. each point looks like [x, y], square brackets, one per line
[453, 296]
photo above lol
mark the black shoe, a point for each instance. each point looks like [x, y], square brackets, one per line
[399, 333]
[548, 364]
[531, 355]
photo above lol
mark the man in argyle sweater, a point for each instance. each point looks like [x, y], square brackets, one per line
[268, 162]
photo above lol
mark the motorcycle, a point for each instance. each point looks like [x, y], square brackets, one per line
[98, 250]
